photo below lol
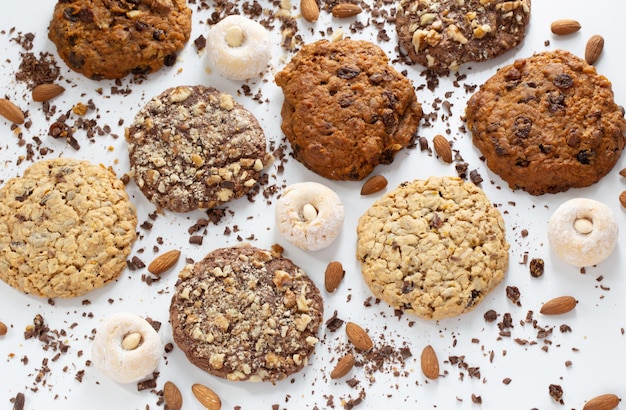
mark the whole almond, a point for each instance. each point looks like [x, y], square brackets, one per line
[343, 367]
[207, 397]
[622, 172]
[45, 92]
[11, 111]
[593, 49]
[333, 276]
[309, 10]
[602, 402]
[374, 184]
[358, 337]
[558, 305]
[564, 26]
[172, 396]
[3, 329]
[443, 148]
[345, 10]
[430, 363]
[164, 262]
[622, 198]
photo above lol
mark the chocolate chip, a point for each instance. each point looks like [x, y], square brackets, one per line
[585, 156]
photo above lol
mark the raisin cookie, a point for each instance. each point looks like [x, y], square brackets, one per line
[243, 313]
[346, 110]
[194, 147]
[547, 123]
[66, 227]
[433, 248]
[110, 39]
[443, 34]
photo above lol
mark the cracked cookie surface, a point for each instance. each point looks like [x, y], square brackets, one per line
[433, 248]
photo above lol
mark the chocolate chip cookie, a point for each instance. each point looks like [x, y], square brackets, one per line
[244, 313]
[547, 123]
[434, 248]
[444, 34]
[110, 39]
[66, 227]
[346, 110]
[195, 147]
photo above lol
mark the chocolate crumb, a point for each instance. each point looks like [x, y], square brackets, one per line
[18, 401]
[536, 267]
[490, 315]
[556, 392]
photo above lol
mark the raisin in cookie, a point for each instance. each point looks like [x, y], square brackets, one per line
[66, 227]
[244, 313]
[443, 34]
[547, 123]
[346, 110]
[195, 147]
[433, 248]
[110, 39]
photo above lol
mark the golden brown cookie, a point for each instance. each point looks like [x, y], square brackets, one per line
[547, 123]
[110, 39]
[433, 248]
[66, 227]
[346, 110]
[243, 313]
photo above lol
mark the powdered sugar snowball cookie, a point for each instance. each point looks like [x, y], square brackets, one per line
[582, 232]
[238, 48]
[310, 215]
[126, 348]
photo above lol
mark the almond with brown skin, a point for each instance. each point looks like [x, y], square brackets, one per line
[172, 396]
[343, 367]
[45, 92]
[593, 49]
[345, 10]
[558, 306]
[310, 10]
[3, 329]
[164, 262]
[602, 402]
[375, 184]
[358, 337]
[11, 111]
[429, 363]
[564, 26]
[622, 198]
[207, 397]
[443, 148]
[333, 276]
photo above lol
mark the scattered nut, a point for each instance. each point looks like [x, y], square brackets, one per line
[602, 402]
[172, 396]
[559, 305]
[593, 49]
[11, 111]
[345, 10]
[622, 198]
[45, 92]
[375, 184]
[3, 329]
[164, 262]
[564, 26]
[333, 276]
[309, 10]
[207, 397]
[443, 148]
[358, 337]
[343, 367]
[430, 363]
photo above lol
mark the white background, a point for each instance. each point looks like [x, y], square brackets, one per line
[594, 346]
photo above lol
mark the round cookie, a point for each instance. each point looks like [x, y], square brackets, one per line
[444, 34]
[244, 313]
[547, 123]
[103, 39]
[195, 147]
[582, 232]
[433, 248]
[66, 227]
[346, 110]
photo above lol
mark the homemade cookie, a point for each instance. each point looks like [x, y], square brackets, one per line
[244, 313]
[547, 123]
[433, 248]
[443, 34]
[195, 147]
[66, 227]
[110, 39]
[346, 109]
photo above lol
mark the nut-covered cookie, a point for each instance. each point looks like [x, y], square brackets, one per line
[243, 313]
[195, 147]
[110, 39]
[346, 110]
[66, 227]
[444, 34]
[547, 123]
[433, 248]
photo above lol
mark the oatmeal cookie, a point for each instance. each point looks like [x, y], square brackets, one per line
[110, 39]
[244, 313]
[433, 248]
[346, 110]
[443, 34]
[195, 147]
[547, 123]
[66, 227]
